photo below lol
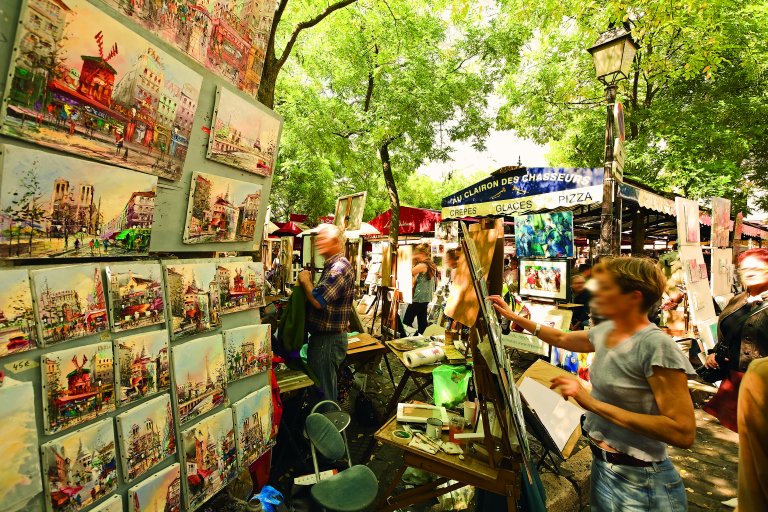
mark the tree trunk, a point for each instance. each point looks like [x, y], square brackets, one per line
[394, 199]
[638, 233]
[266, 94]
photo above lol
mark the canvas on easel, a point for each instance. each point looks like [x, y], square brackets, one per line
[348, 214]
[688, 230]
[722, 270]
[721, 222]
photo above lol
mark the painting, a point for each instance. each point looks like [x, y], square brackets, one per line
[135, 295]
[210, 456]
[404, 275]
[80, 468]
[253, 425]
[20, 473]
[544, 235]
[349, 211]
[244, 135]
[86, 84]
[17, 319]
[241, 285]
[545, 279]
[112, 504]
[722, 271]
[700, 302]
[160, 492]
[193, 297]
[57, 206]
[78, 385]
[249, 350]
[687, 212]
[142, 365]
[721, 222]
[146, 435]
[447, 231]
[221, 210]
[200, 376]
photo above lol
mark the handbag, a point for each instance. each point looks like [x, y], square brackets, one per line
[723, 405]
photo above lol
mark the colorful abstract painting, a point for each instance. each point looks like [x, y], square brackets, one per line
[241, 285]
[160, 492]
[17, 319]
[200, 376]
[112, 504]
[193, 297]
[142, 365]
[70, 302]
[249, 350]
[245, 134]
[135, 295]
[210, 456]
[253, 425]
[146, 435]
[544, 235]
[80, 468]
[221, 210]
[20, 474]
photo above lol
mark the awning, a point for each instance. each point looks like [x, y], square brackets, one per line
[412, 221]
[647, 199]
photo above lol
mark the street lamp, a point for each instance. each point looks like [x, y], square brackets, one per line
[612, 54]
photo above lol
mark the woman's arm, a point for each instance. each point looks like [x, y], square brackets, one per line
[419, 268]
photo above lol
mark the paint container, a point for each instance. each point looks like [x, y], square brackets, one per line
[402, 437]
[434, 428]
[469, 412]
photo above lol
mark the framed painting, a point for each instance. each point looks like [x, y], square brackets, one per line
[221, 210]
[147, 436]
[193, 297]
[86, 84]
[142, 365]
[547, 279]
[249, 350]
[160, 492]
[56, 206]
[253, 425]
[200, 376]
[19, 332]
[135, 295]
[544, 235]
[241, 285]
[348, 214]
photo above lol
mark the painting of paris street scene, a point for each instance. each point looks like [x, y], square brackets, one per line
[78, 385]
[193, 297]
[112, 504]
[244, 135]
[59, 206]
[135, 295]
[86, 84]
[142, 365]
[249, 350]
[146, 436]
[17, 319]
[80, 468]
[221, 210]
[210, 456]
[241, 285]
[70, 302]
[160, 492]
[253, 425]
[200, 376]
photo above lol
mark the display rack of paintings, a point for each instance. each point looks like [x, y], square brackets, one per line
[349, 211]
[135, 295]
[210, 457]
[86, 84]
[253, 425]
[245, 134]
[221, 210]
[112, 504]
[193, 297]
[721, 222]
[160, 492]
[20, 473]
[18, 332]
[544, 235]
[249, 350]
[700, 302]
[142, 365]
[80, 468]
[241, 285]
[146, 435]
[200, 376]
[688, 230]
[60, 206]
[78, 385]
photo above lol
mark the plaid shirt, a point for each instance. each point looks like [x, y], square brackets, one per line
[334, 292]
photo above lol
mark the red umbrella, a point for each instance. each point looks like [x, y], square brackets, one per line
[288, 229]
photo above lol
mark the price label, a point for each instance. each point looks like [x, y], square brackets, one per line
[21, 365]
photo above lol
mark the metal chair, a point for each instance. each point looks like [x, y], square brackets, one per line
[338, 417]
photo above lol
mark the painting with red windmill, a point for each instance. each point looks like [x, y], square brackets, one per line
[84, 83]
[241, 285]
[78, 385]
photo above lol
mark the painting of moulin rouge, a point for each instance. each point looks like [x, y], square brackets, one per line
[241, 285]
[17, 320]
[86, 84]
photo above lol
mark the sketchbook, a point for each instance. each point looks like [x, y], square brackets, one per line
[560, 417]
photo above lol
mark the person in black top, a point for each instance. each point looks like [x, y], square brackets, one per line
[581, 295]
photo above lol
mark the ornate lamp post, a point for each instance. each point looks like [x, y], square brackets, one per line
[612, 53]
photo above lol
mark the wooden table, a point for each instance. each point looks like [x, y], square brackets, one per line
[365, 350]
[469, 471]
[292, 380]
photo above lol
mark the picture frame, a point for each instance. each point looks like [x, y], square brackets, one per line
[544, 279]
[420, 413]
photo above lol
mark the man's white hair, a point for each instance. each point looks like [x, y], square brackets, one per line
[332, 231]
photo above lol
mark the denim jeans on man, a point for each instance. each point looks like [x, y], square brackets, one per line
[619, 488]
[324, 355]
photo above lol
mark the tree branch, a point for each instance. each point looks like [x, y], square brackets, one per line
[275, 22]
[369, 91]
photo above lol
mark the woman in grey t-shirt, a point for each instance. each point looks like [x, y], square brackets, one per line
[639, 401]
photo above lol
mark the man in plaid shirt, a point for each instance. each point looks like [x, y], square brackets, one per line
[330, 308]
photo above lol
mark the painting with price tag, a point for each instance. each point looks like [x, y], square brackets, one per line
[17, 320]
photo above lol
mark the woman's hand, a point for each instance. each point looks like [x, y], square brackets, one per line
[712, 361]
[502, 307]
[571, 386]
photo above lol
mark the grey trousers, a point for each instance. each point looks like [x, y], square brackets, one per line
[324, 355]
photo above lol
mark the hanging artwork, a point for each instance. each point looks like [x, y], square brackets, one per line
[160, 492]
[404, 275]
[349, 211]
[722, 270]
[253, 425]
[86, 84]
[193, 297]
[146, 435]
[112, 504]
[70, 302]
[142, 365]
[135, 295]
[544, 235]
[59, 206]
[18, 332]
[221, 210]
[78, 385]
[544, 278]
[687, 212]
[80, 468]
[700, 302]
[249, 350]
[244, 134]
[20, 473]
[210, 457]
[447, 231]
[721, 222]
[200, 376]
[241, 285]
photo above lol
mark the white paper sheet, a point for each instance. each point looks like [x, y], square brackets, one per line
[559, 416]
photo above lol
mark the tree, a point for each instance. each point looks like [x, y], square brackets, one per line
[25, 208]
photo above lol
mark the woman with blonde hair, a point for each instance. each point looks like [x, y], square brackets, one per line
[424, 274]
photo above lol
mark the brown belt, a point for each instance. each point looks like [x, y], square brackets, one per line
[621, 459]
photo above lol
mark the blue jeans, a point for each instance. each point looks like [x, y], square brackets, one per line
[619, 488]
[324, 355]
